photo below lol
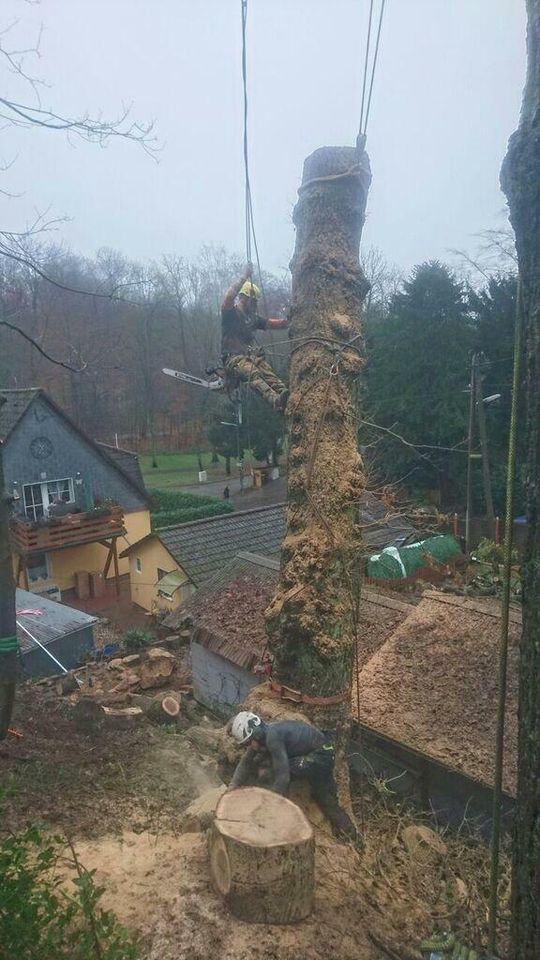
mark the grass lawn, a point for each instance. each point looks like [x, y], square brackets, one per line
[179, 469]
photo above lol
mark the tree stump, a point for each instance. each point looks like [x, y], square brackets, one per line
[262, 857]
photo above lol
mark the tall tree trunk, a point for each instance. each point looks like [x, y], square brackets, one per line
[8, 628]
[520, 179]
[310, 620]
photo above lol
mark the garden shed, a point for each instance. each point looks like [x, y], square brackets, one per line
[67, 634]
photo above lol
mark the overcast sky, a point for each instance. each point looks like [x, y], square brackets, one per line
[446, 99]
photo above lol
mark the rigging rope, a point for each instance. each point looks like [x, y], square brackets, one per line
[366, 105]
[251, 237]
[505, 613]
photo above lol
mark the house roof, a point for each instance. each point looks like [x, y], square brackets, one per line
[432, 685]
[13, 409]
[227, 613]
[50, 621]
[16, 405]
[202, 547]
[127, 461]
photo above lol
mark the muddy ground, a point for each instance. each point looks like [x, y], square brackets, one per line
[120, 797]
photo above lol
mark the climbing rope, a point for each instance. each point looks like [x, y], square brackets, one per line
[367, 91]
[251, 237]
[505, 616]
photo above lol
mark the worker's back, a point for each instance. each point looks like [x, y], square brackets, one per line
[297, 737]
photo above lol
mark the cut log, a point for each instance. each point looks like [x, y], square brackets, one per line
[262, 857]
[122, 717]
[66, 684]
[163, 709]
[156, 670]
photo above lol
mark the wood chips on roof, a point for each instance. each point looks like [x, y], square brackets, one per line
[432, 686]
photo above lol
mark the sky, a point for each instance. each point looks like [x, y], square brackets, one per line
[446, 98]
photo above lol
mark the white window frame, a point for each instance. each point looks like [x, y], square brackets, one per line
[46, 498]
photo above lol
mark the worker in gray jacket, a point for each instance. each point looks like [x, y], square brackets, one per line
[297, 751]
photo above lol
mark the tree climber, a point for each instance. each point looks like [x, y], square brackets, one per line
[297, 751]
[241, 357]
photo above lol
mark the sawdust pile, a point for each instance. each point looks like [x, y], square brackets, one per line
[432, 686]
[160, 887]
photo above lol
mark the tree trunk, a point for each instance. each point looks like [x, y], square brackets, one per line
[310, 620]
[227, 466]
[8, 627]
[520, 179]
[262, 857]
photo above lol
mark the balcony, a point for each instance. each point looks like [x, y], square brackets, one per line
[55, 533]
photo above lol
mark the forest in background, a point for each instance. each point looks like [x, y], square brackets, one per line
[420, 334]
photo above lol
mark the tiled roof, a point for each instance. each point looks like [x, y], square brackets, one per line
[127, 461]
[17, 403]
[203, 547]
[53, 620]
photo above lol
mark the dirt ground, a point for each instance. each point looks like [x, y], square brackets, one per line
[120, 797]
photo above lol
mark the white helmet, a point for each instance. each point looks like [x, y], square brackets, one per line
[244, 726]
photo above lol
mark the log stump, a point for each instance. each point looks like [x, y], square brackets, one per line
[262, 856]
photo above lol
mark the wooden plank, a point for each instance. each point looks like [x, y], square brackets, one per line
[488, 607]
[370, 596]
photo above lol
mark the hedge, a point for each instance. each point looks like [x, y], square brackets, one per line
[168, 507]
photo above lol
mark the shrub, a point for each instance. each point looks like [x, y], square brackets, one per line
[171, 507]
[39, 920]
[136, 639]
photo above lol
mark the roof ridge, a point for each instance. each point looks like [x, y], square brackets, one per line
[220, 516]
[112, 446]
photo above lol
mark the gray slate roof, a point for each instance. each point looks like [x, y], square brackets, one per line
[17, 403]
[127, 461]
[203, 547]
[56, 620]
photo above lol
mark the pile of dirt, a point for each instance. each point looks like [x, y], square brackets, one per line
[432, 686]
[87, 783]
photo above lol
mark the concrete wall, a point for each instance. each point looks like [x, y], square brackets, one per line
[218, 683]
[69, 650]
[69, 453]
[153, 557]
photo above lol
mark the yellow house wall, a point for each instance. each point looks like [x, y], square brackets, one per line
[153, 555]
[63, 564]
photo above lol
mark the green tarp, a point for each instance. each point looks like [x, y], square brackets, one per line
[395, 563]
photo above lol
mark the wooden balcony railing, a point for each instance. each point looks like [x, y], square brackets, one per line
[69, 531]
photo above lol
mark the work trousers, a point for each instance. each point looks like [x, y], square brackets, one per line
[255, 371]
[318, 769]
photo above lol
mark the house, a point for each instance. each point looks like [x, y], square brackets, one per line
[167, 566]
[228, 638]
[78, 502]
[44, 625]
[195, 551]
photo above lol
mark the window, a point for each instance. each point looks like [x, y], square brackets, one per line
[161, 573]
[38, 567]
[38, 497]
[138, 564]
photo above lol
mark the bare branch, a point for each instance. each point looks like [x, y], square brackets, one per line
[26, 336]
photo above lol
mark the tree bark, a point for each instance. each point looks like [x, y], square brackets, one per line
[262, 857]
[520, 180]
[8, 627]
[310, 620]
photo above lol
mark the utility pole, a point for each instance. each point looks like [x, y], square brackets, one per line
[482, 432]
[8, 626]
[470, 438]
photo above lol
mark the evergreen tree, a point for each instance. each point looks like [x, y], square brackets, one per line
[417, 375]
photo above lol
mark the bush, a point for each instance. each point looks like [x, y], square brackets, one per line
[39, 920]
[171, 507]
[137, 639]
